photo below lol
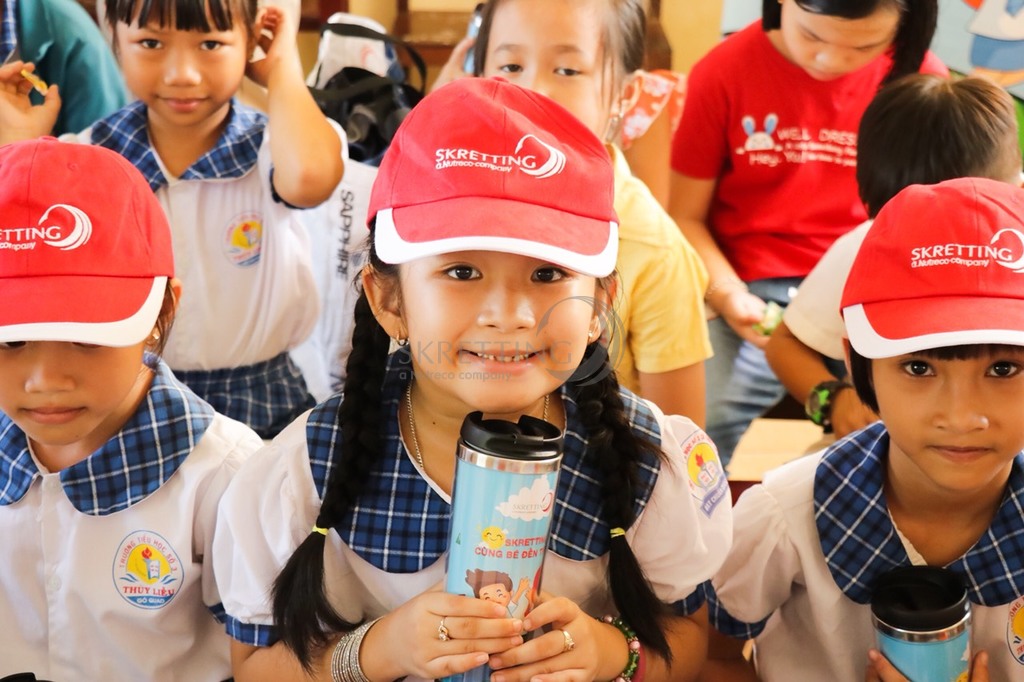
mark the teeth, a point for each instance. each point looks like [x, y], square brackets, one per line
[505, 358]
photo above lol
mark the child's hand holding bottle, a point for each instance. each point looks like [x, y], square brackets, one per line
[576, 642]
[408, 641]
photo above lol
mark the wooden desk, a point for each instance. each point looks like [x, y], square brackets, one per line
[770, 443]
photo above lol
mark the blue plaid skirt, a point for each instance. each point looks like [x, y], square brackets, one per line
[267, 396]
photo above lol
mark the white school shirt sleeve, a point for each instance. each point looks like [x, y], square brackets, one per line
[257, 530]
[813, 315]
[764, 565]
[238, 442]
[684, 532]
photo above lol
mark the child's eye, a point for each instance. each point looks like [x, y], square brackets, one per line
[150, 43]
[211, 45]
[566, 71]
[11, 345]
[1004, 369]
[462, 272]
[917, 368]
[548, 274]
[510, 68]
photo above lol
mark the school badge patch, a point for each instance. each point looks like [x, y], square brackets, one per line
[704, 470]
[1015, 630]
[147, 570]
[243, 239]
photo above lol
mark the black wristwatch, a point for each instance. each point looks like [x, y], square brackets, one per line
[820, 400]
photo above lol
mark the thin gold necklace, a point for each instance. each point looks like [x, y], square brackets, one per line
[412, 423]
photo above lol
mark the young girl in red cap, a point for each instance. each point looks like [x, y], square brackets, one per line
[586, 57]
[110, 468]
[493, 243]
[934, 314]
[231, 180]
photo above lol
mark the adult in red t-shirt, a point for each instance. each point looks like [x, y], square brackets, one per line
[763, 168]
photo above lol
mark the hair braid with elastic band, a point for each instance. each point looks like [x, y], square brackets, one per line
[303, 615]
[618, 450]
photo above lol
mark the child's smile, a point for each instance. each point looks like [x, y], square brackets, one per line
[511, 330]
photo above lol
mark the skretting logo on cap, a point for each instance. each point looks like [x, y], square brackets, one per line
[532, 156]
[1010, 256]
[26, 238]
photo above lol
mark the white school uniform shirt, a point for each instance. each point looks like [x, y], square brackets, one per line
[813, 315]
[810, 541]
[106, 571]
[338, 232]
[393, 547]
[243, 257]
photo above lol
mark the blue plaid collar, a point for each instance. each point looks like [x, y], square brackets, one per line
[398, 505]
[860, 542]
[129, 467]
[9, 29]
[233, 156]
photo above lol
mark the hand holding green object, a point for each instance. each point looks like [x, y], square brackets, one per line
[771, 319]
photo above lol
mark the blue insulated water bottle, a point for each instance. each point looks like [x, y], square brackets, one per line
[922, 622]
[506, 475]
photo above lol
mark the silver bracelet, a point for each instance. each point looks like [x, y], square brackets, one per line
[345, 659]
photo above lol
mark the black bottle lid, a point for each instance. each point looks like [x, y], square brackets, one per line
[529, 438]
[920, 598]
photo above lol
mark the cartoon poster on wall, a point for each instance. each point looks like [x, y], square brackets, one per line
[984, 38]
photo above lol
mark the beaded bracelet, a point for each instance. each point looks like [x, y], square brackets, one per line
[345, 659]
[629, 673]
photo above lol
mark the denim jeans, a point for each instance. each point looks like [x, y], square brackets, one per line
[740, 384]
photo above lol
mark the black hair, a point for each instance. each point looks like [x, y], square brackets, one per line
[624, 36]
[860, 366]
[184, 15]
[918, 19]
[304, 618]
[923, 129]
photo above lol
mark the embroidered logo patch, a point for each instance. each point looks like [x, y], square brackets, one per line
[707, 479]
[1015, 630]
[147, 570]
[243, 240]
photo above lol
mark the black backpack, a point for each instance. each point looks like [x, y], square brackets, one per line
[368, 105]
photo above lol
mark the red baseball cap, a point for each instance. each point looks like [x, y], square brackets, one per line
[85, 248]
[482, 164]
[942, 265]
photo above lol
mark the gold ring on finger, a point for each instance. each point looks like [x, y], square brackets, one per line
[570, 643]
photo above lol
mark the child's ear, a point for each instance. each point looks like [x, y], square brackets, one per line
[176, 290]
[629, 94]
[384, 300]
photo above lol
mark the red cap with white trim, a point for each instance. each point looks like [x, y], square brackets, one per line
[482, 164]
[942, 265]
[85, 248]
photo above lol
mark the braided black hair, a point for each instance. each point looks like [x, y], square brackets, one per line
[303, 616]
[617, 452]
